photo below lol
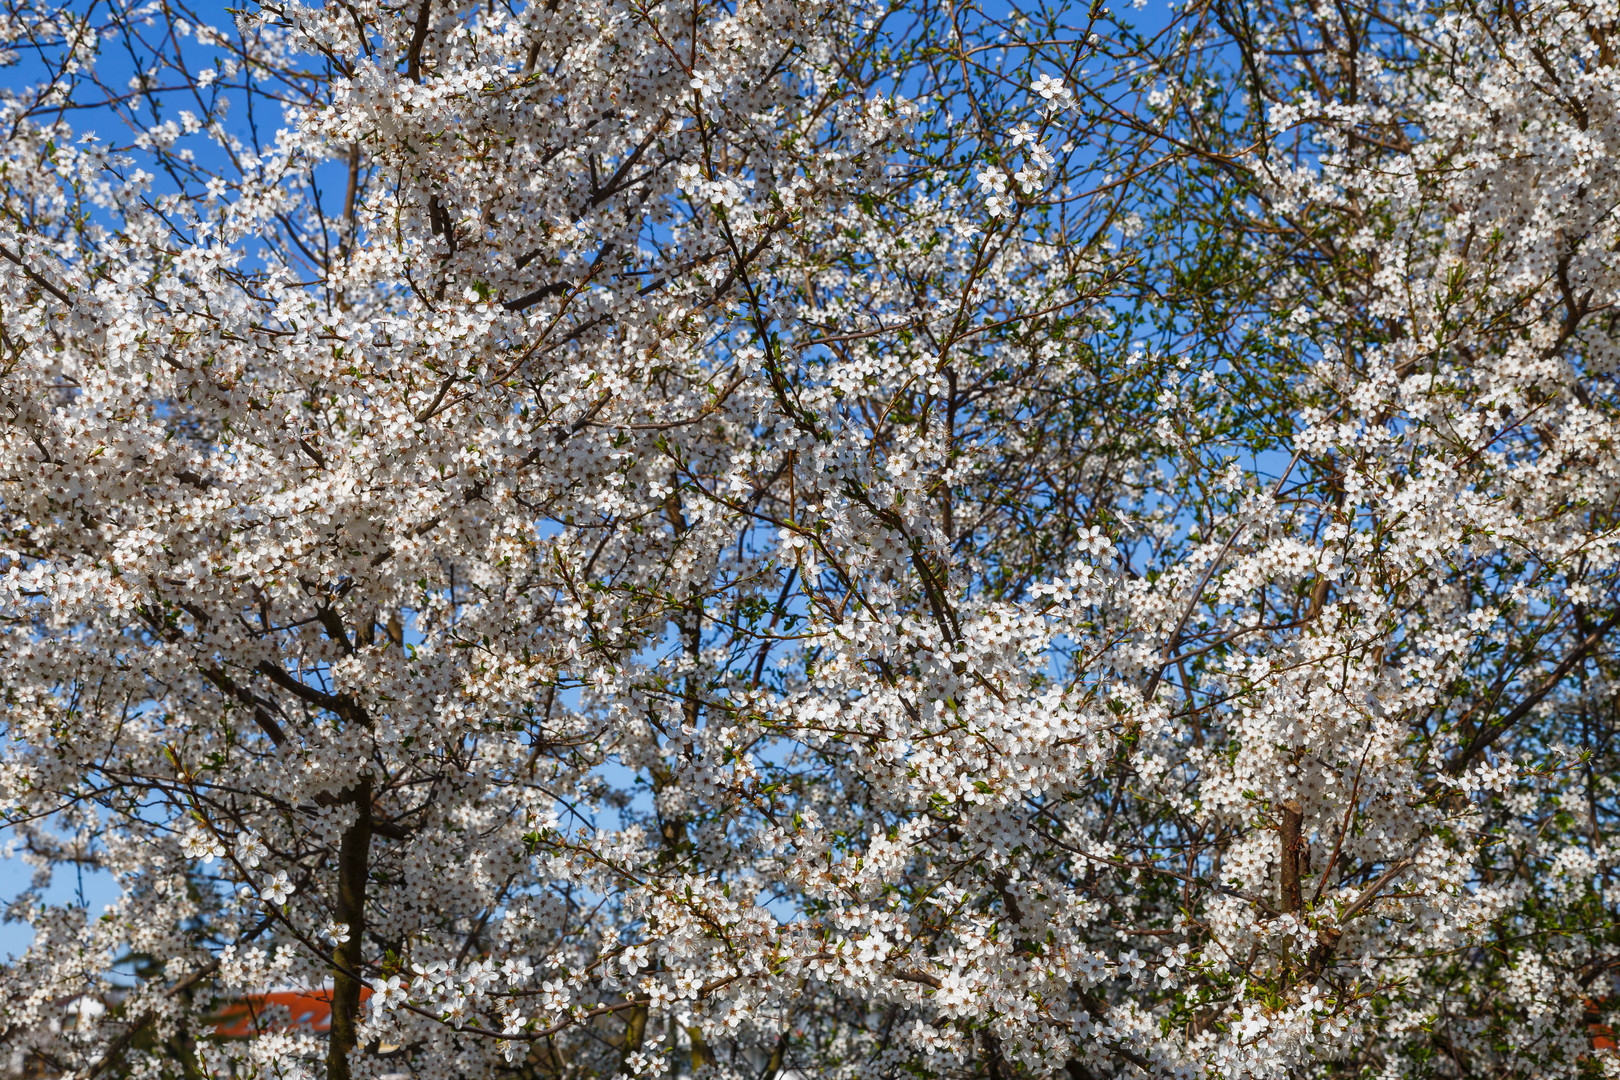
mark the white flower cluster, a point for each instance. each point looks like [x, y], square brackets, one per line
[686, 559]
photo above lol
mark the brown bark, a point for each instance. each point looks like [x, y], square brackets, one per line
[353, 869]
[1292, 900]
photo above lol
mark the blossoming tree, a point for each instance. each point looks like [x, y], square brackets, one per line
[781, 538]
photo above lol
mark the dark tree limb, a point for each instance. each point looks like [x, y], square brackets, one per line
[1491, 732]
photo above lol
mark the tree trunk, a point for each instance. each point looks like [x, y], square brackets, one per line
[353, 868]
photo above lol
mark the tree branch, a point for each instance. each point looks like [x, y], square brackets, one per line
[1488, 735]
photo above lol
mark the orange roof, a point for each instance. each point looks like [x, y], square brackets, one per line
[308, 1010]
